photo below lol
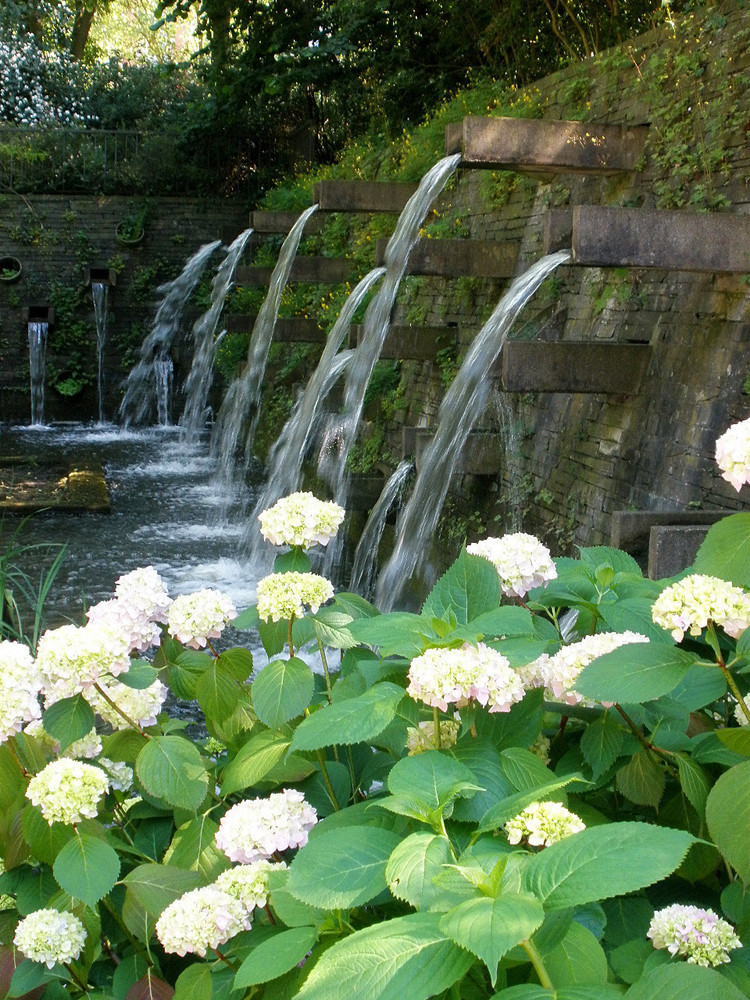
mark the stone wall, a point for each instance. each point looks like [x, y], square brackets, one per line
[57, 238]
[584, 456]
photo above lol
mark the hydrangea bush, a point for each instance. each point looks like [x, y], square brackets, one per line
[536, 788]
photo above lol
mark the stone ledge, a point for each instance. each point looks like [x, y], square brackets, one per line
[282, 222]
[314, 270]
[362, 196]
[287, 330]
[543, 146]
[669, 240]
[411, 343]
[483, 453]
[532, 366]
[631, 529]
[458, 258]
[673, 548]
[27, 486]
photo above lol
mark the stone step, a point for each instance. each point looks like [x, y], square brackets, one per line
[362, 196]
[673, 548]
[631, 529]
[282, 222]
[548, 147]
[411, 343]
[313, 270]
[533, 366]
[458, 258]
[287, 330]
[708, 242]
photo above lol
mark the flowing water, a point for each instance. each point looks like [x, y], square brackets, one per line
[37, 368]
[200, 377]
[166, 501]
[462, 405]
[332, 464]
[140, 388]
[100, 295]
[365, 568]
[241, 404]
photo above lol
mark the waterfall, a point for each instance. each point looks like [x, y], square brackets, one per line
[332, 466]
[510, 437]
[198, 383]
[100, 295]
[163, 373]
[37, 368]
[240, 406]
[462, 405]
[140, 385]
[365, 566]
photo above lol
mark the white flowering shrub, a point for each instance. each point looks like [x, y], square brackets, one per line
[521, 790]
[39, 87]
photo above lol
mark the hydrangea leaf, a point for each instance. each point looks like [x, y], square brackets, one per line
[681, 981]
[217, 691]
[253, 762]
[68, 720]
[636, 672]
[409, 958]
[282, 690]
[342, 868]
[398, 633]
[356, 720]
[491, 927]
[414, 864]
[728, 817]
[172, 769]
[578, 960]
[139, 675]
[512, 805]
[725, 551]
[149, 889]
[275, 956]
[467, 590]
[431, 779]
[87, 868]
[604, 861]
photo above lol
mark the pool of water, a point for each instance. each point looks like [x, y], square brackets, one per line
[169, 510]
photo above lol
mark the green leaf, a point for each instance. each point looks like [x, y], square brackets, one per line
[193, 848]
[695, 783]
[431, 780]
[139, 675]
[296, 560]
[414, 864]
[149, 889]
[601, 744]
[725, 551]
[171, 768]
[332, 628]
[246, 620]
[44, 840]
[217, 691]
[681, 981]
[738, 740]
[524, 769]
[491, 927]
[578, 960]
[604, 861]
[728, 817]
[357, 720]
[254, 760]
[238, 661]
[68, 720]
[275, 956]
[636, 672]
[408, 958]
[291, 911]
[511, 806]
[468, 589]
[397, 633]
[642, 779]
[634, 614]
[194, 983]
[87, 868]
[342, 868]
[282, 690]
[484, 762]
[507, 620]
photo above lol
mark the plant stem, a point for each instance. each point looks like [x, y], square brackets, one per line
[436, 721]
[130, 722]
[290, 643]
[327, 780]
[74, 975]
[224, 959]
[208, 643]
[536, 960]
[327, 676]
[14, 752]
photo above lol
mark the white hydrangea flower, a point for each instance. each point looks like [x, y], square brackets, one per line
[248, 883]
[88, 747]
[71, 659]
[141, 633]
[738, 713]
[257, 829]
[541, 748]
[68, 791]
[49, 744]
[559, 672]
[733, 454]
[700, 935]
[689, 605]
[144, 591]
[195, 618]
[201, 919]
[50, 936]
[21, 683]
[142, 705]
[542, 824]
[440, 677]
[423, 738]
[281, 595]
[119, 773]
[300, 519]
[521, 561]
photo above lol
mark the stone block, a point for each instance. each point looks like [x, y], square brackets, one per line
[411, 343]
[458, 258]
[558, 230]
[709, 242]
[282, 222]
[535, 145]
[531, 366]
[631, 529]
[362, 196]
[673, 548]
[291, 330]
[483, 453]
[313, 270]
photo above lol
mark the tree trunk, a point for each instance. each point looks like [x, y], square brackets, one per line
[81, 27]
